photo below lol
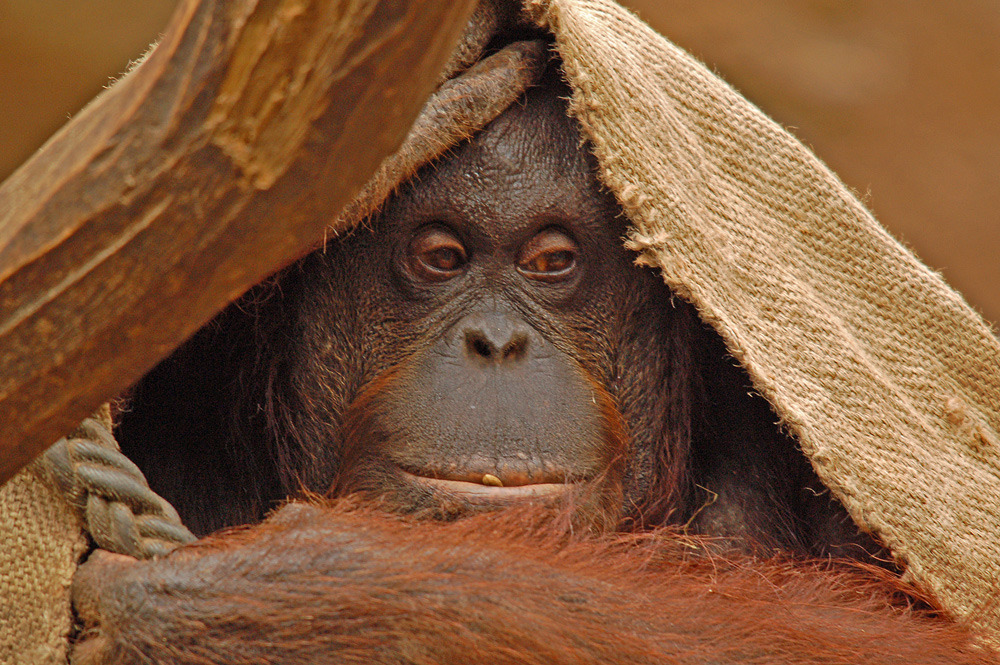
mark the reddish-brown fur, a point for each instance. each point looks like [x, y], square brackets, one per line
[350, 585]
[336, 371]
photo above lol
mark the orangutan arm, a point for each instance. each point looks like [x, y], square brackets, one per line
[319, 585]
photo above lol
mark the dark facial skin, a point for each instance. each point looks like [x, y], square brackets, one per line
[499, 315]
[486, 339]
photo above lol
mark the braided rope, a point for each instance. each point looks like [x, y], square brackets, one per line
[121, 512]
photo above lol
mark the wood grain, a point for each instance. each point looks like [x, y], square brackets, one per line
[223, 157]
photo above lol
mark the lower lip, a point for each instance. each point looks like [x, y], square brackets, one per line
[477, 491]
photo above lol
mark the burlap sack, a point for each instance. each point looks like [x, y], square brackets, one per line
[41, 542]
[889, 381]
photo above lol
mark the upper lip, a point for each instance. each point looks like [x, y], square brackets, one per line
[490, 481]
[479, 490]
[508, 476]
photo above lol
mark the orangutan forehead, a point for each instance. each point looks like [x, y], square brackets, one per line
[528, 167]
[535, 130]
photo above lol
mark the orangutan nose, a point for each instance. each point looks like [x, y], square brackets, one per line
[495, 336]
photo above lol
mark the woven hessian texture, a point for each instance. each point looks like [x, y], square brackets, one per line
[887, 378]
[42, 543]
[889, 381]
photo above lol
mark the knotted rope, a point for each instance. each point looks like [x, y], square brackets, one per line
[119, 510]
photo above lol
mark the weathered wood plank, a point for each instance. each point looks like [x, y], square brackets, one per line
[220, 159]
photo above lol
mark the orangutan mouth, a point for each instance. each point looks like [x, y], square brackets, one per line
[490, 487]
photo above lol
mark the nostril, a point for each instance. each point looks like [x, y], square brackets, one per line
[479, 345]
[496, 339]
[515, 348]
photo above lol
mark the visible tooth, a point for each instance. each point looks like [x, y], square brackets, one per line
[491, 480]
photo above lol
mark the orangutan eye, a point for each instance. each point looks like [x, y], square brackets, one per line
[436, 254]
[444, 259]
[550, 256]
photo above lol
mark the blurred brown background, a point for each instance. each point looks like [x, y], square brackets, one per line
[900, 97]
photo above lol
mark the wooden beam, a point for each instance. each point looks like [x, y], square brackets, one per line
[223, 157]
